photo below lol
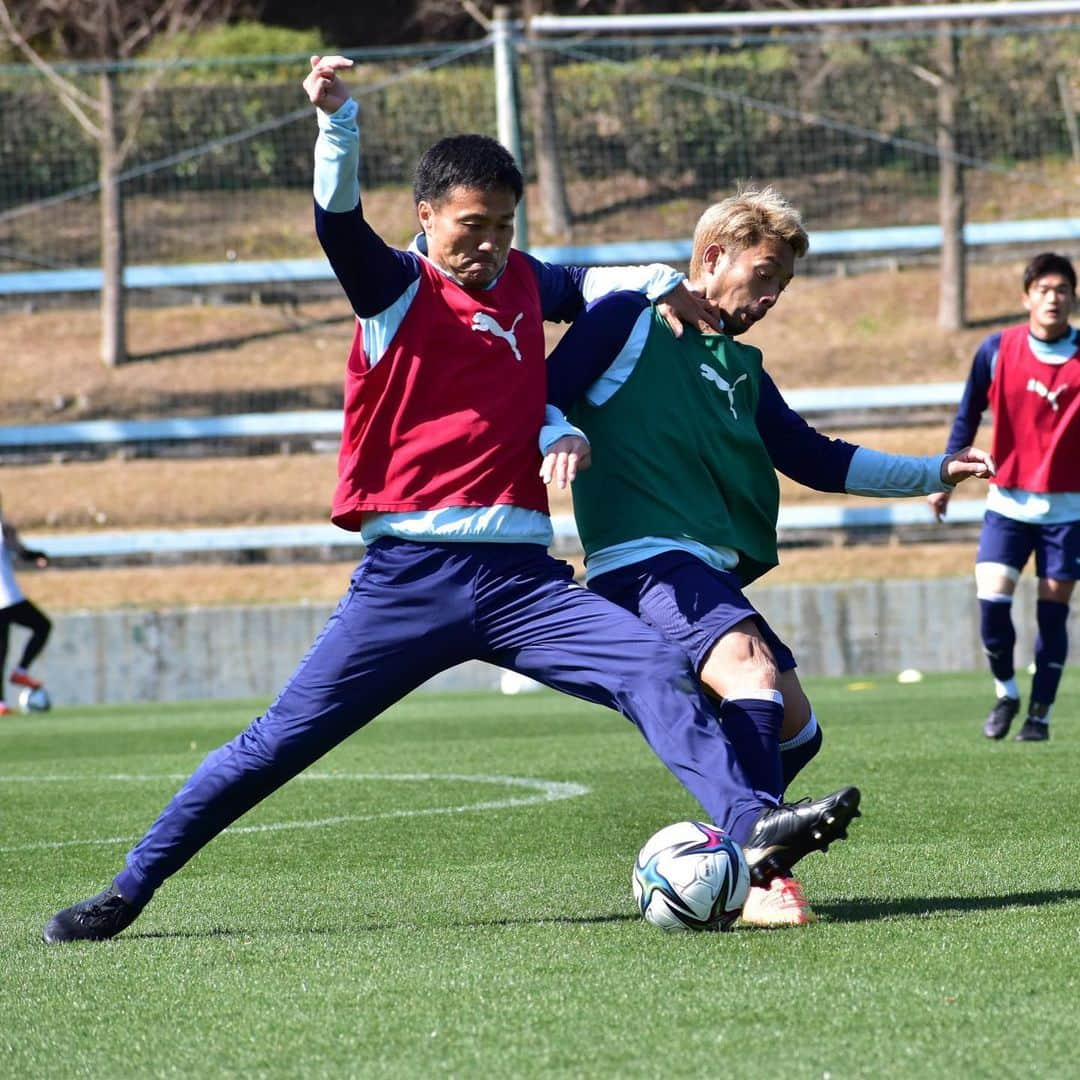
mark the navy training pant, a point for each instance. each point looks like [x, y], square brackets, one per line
[414, 609]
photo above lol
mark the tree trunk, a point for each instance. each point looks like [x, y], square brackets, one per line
[549, 174]
[951, 207]
[113, 247]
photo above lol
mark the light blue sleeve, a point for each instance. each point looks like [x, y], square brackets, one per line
[623, 365]
[873, 472]
[337, 160]
[556, 427]
[654, 280]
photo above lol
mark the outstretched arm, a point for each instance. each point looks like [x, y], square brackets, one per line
[798, 450]
[810, 458]
[373, 274]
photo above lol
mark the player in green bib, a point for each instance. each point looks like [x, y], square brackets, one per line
[709, 479]
[677, 511]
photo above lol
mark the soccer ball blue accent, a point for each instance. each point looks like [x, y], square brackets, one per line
[34, 699]
[691, 876]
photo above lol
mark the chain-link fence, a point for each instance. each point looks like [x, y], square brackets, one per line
[647, 130]
[845, 124]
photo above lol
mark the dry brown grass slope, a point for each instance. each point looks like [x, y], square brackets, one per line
[827, 331]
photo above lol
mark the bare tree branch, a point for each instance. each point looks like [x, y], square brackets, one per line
[927, 76]
[476, 13]
[75, 100]
[106, 32]
[179, 19]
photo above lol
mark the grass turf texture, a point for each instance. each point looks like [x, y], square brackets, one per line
[408, 941]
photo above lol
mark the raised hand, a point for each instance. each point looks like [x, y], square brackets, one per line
[325, 89]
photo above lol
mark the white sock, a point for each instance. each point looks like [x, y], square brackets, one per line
[1007, 689]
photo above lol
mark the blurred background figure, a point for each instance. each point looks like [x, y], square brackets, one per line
[1029, 376]
[16, 610]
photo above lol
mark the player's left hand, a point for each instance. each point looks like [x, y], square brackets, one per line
[680, 306]
[971, 461]
[565, 458]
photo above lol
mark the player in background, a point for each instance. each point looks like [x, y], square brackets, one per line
[439, 471]
[677, 511]
[1029, 376]
[16, 610]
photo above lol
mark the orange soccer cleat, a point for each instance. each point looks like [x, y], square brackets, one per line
[783, 903]
[22, 677]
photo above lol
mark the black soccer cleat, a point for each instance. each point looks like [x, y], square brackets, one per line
[1001, 717]
[94, 919]
[785, 833]
[1033, 731]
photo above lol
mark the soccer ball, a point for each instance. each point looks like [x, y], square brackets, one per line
[34, 699]
[691, 876]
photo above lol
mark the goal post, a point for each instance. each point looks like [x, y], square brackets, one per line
[816, 17]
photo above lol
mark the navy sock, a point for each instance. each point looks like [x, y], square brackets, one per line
[998, 636]
[797, 752]
[753, 726]
[1051, 649]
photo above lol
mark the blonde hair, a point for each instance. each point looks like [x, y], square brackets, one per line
[745, 219]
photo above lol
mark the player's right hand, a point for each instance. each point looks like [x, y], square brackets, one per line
[324, 87]
[682, 305]
[939, 503]
[566, 457]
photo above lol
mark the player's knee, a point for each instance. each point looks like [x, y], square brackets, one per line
[995, 581]
[1057, 592]
[740, 661]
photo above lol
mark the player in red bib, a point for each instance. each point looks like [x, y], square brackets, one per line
[439, 470]
[1029, 376]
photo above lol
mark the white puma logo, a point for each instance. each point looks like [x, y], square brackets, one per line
[708, 373]
[1051, 396]
[481, 320]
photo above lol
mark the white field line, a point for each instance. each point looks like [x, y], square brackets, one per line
[543, 791]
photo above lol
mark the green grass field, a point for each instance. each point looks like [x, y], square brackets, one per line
[448, 894]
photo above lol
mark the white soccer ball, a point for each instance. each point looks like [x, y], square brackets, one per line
[691, 876]
[34, 699]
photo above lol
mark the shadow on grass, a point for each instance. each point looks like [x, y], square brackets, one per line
[369, 928]
[850, 911]
[867, 910]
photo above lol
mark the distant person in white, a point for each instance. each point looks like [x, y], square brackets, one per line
[16, 610]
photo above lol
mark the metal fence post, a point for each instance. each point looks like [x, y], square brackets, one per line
[504, 49]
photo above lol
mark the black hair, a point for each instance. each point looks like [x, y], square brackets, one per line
[1049, 263]
[476, 162]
